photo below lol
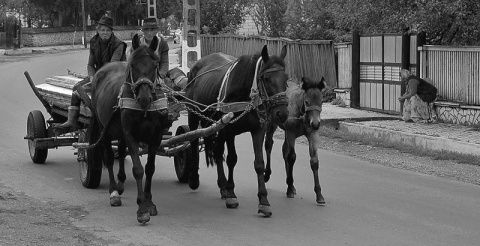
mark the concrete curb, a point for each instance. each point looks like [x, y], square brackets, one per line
[335, 122]
[16, 52]
[422, 141]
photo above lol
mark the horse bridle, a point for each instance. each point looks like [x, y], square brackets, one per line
[305, 109]
[275, 100]
[141, 81]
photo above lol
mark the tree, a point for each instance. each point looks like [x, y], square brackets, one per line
[269, 15]
[222, 16]
[309, 20]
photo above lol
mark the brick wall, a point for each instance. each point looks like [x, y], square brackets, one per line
[68, 35]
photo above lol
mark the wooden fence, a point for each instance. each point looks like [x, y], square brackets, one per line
[306, 58]
[455, 71]
[344, 67]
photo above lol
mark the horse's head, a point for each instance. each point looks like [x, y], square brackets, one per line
[142, 71]
[312, 101]
[273, 78]
[176, 79]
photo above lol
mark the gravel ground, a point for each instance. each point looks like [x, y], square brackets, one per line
[27, 221]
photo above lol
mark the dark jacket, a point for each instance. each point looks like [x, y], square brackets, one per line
[426, 91]
[98, 58]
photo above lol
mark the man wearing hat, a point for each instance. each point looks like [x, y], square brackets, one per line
[150, 29]
[104, 47]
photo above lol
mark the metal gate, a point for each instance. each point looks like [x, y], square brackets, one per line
[381, 57]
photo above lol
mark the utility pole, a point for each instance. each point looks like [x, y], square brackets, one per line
[84, 25]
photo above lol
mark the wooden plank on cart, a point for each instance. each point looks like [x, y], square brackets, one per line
[57, 91]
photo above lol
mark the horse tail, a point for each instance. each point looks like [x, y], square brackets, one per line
[209, 144]
[93, 135]
[105, 128]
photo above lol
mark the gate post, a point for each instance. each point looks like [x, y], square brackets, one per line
[420, 42]
[405, 61]
[355, 93]
[190, 33]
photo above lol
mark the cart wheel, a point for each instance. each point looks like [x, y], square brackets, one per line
[183, 159]
[36, 129]
[89, 163]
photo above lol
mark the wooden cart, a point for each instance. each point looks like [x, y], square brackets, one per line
[55, 95]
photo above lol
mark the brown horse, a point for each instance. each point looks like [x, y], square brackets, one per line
[137, 116]
[304, 108]
[253, 87]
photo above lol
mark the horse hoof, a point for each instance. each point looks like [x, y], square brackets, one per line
[115, 201]
[194, 181]
[223, 194]
[321, 200]
[120, 187]
[291, 192]
[143, 218]
[231, 203]
[153, 210]
[265, 210]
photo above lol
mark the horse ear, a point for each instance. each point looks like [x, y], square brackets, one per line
[265, 55]
[154, 44]
[135, 41]
[322, 85]
[283, 53]
[304, 83]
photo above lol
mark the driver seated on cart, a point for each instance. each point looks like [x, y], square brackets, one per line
[150, 29]
[104, 47]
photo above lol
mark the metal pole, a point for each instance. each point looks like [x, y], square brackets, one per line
[84, 25]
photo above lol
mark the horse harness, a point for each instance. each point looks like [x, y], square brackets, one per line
[258, 95]
[160, 104]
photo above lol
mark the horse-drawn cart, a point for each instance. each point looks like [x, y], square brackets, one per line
[55, 95]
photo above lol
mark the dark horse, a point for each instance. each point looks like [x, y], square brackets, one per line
[304, 108]
[254, 89]
[137, 117]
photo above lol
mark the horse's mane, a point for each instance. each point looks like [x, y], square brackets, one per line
[243, 73]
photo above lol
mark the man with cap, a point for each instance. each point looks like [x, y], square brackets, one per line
[104, 47]
[150, 29]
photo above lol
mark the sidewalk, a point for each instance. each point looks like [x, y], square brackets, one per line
[429, 136]
[29, 50]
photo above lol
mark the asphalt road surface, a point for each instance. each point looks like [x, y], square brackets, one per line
[366, 204]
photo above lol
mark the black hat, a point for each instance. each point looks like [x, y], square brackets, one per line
[150, 23]
[106, 21]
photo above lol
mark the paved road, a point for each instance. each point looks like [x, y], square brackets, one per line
[367, 204]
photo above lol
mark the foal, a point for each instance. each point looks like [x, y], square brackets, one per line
[304, 108]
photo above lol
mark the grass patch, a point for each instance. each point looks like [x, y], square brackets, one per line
[343, 136]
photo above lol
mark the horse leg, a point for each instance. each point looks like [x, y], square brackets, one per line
[219, 149]
[289, 156]
[108, 158]
[231, 198]
[194, 179]
[268, 149]
[143, 215]
[149, 171]
[259, 165]
[313, 141]
[121, 176]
